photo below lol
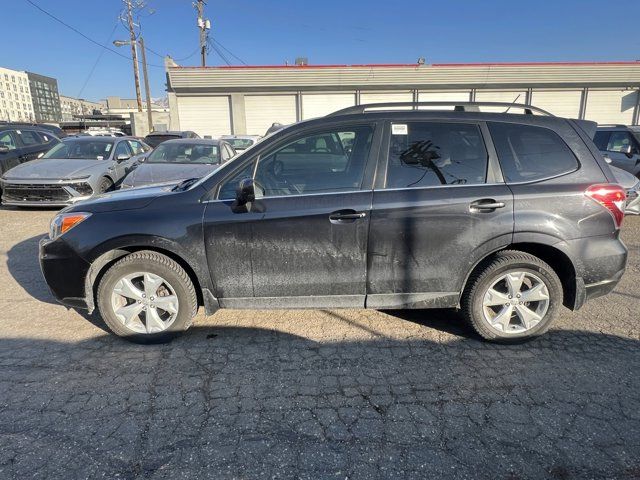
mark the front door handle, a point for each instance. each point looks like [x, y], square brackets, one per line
[485, 205]
[346, 216]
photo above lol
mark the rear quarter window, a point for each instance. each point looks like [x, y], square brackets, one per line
[528, 153]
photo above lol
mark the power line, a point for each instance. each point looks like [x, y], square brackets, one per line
[219, 52]
[228, 51]
[30, 2]
[96, 62]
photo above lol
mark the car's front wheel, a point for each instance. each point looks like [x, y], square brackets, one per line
[147, 297]
[105, 185]
[514, 297]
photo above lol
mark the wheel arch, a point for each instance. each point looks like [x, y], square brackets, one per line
[558, 260]
[108, 255]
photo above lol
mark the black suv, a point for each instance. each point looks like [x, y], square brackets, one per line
[503, 216]
[21, 143]
[156, 138]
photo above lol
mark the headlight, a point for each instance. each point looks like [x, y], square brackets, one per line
[63, 222]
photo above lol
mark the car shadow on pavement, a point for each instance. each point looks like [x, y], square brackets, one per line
[229, 402]
[23, 265]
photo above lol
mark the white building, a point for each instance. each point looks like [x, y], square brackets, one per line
[124, 106]
[15, 96]
[78, 107]
[239, 100]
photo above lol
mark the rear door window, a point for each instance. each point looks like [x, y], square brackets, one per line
[30, 138]
[429, 154]
[528, 153]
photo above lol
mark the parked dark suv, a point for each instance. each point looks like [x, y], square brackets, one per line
[156, 138]
[19, 144]
[504, 216]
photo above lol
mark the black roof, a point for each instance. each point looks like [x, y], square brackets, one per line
[195, 141]
[174, 133]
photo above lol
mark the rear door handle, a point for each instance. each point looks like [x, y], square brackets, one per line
[485, 205]
[346, 216]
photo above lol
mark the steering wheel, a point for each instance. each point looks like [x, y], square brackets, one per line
[321, 150]
[274, 176]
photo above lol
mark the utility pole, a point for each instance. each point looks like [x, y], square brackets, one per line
[134, 54]
[146, 83]
[204, 25]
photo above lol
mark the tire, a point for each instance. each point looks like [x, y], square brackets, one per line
[142, 269]
[496, 322]
[105, 185]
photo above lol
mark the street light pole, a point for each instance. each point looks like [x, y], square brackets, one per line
[134, 54]
[120, 43]
[146, 83]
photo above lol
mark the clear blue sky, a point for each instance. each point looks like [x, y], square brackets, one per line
[326, 31]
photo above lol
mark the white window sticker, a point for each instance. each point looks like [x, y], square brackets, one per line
[18, 132]
[108, 147]
[399, 129]
[99, 157]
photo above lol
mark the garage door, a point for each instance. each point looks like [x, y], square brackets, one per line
[562, 103]
[611, 106]
[382, 97]
[205, 115]
[262, 111]
[321, 104]
[443, 96]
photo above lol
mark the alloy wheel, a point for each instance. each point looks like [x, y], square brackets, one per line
[144, 302]
[516, 302]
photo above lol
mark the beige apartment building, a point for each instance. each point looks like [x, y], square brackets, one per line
[15, 96]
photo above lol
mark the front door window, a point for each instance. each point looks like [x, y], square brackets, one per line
[326, 162]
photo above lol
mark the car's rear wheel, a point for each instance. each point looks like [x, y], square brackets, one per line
[105, 185]
[147, 297]
[515, 296]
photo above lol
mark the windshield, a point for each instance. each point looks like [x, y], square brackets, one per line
[98, 149]
[155, 140]
[240, 143]
[176, 152]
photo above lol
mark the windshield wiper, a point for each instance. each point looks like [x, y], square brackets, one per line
[183, 185]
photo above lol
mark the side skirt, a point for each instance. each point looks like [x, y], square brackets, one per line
[374, 301]
[413, 300]
[321, 301]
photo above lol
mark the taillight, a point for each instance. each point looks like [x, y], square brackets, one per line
[610, 196]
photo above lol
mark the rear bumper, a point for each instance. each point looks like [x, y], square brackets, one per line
[601, 262]
[64, 271]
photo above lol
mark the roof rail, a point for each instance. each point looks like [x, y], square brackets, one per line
[457, 106]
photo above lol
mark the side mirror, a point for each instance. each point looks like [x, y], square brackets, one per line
[122, 157]
[246, 191]
[41, 154]
[4, 149]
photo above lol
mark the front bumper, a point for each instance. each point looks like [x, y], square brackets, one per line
[64, 271]
[30, 193]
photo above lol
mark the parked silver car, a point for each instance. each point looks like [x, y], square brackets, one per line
[241, 142]
[177, 160]
[75, 169]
